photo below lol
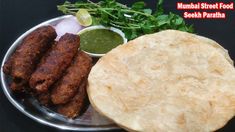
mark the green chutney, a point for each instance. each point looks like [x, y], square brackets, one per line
[99, 41]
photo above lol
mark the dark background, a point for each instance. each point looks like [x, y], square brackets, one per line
[17, 16]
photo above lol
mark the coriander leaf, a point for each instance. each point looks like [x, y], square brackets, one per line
[127, 33]
[179, 21]
[120, 15]
[148, 11]
[104, 18]
[190, 29]
[160, 2]
[96, 21]
[67, 2]
[159, 8]
[183, 28]
[62, 9]
[138, 5]
[163, 19]
[109, 1]
[147, 29]
[133, 21]
[133, 34]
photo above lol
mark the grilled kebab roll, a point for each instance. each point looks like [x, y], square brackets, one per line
[23, 62]
[55, 63]
[66, 87]
[74, 106]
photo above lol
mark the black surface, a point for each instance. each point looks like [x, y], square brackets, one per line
[17, 16]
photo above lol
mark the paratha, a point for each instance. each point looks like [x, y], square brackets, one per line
[168, 81]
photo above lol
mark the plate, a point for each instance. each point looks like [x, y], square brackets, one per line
[90, 120]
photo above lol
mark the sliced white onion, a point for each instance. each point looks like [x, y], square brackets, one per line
[68, 25]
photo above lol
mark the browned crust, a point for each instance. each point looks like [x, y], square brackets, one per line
[68, 85]
[26, 56]
[55, 63]
[44, 99]
[74, 106]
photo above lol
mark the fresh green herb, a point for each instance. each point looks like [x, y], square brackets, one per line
[134, 21]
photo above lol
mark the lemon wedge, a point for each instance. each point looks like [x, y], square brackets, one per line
[84, 17]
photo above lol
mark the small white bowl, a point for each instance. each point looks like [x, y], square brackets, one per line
[102, 27]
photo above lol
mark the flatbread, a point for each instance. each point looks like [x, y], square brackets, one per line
[169, 81]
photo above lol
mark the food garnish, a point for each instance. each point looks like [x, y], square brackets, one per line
[83, 17]
[68, 25]
[134, 21]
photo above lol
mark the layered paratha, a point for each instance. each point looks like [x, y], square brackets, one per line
[168, 81]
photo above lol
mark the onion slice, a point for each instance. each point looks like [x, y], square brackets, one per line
[68, 25]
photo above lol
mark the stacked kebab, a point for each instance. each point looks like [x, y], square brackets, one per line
[54, 72]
